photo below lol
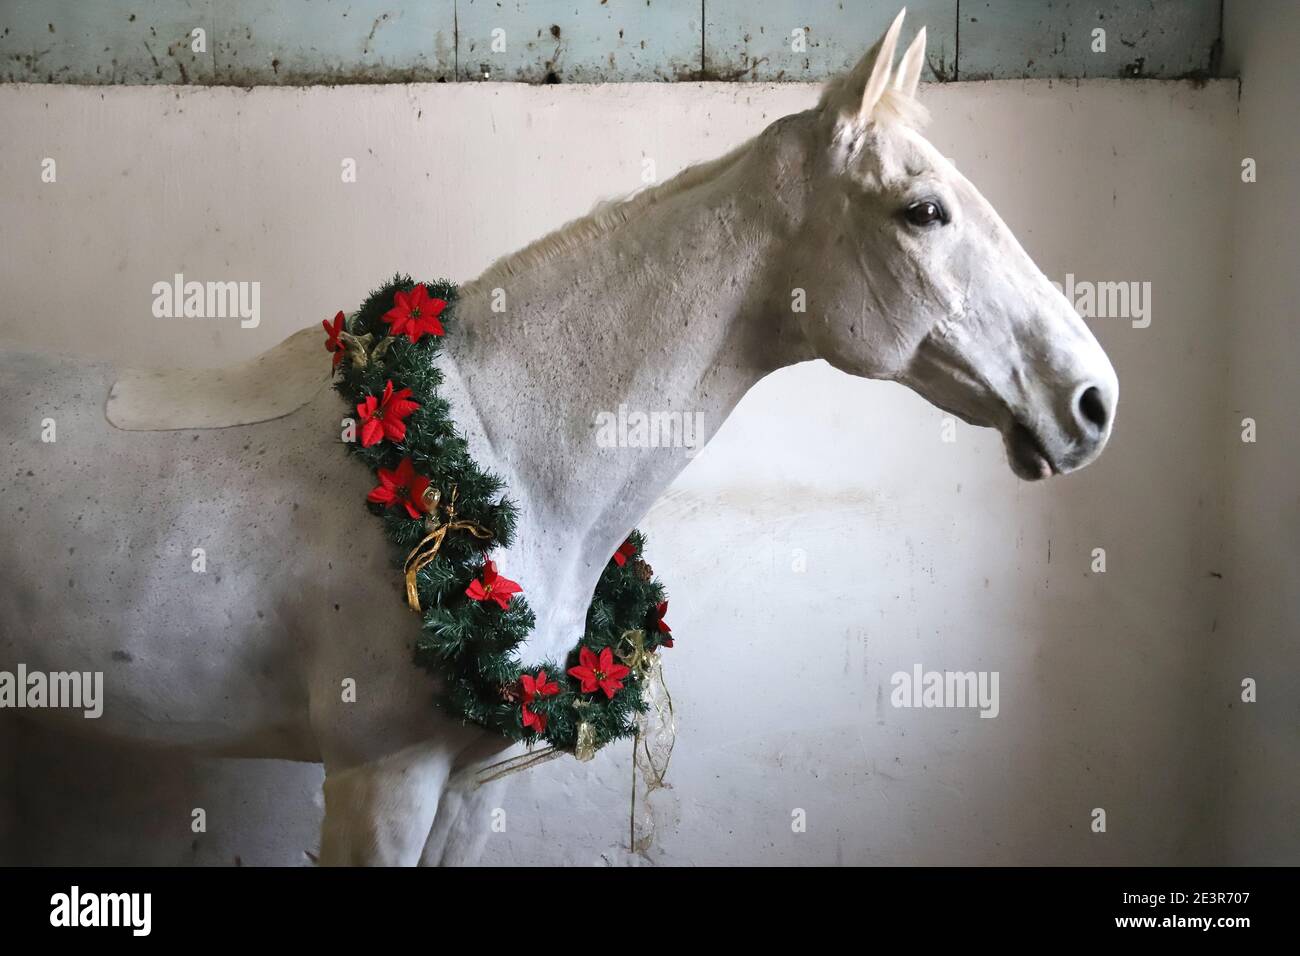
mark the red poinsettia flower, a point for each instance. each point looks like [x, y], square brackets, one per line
[599, 672]
[625, 550]
[660, 610]
[533, 720]
[493, 587]
[332, 343]
[534, 687]
[401, 487]
[383, 417]
[538, 686]
[415, 314]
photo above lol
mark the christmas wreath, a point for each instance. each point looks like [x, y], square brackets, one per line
[446, 515]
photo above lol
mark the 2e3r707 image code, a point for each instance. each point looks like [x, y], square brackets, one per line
[1195, 898]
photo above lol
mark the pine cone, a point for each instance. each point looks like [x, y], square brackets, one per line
[643, 570]
[510, 693]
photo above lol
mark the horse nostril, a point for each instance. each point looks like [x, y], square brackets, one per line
[1093, 408]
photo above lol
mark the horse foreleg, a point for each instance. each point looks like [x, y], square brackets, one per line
[466, 817]
[381, 813]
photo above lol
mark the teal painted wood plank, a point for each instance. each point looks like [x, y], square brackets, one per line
[335, 41]
[251, 42]
[761, 39]
[111, 41]
[578, 41]
[1163, 39]
[247, 42]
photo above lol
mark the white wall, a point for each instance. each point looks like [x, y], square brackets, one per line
[917, 551]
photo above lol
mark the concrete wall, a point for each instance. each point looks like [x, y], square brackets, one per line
[1262, 740]
[827, 538]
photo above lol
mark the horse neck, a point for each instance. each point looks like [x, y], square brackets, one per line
[667, 311]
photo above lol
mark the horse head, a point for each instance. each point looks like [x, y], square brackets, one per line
[921, 282]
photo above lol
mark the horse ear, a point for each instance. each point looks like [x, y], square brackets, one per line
[852, 97]
[908, 77]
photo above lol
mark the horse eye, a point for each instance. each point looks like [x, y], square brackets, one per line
[926, 212]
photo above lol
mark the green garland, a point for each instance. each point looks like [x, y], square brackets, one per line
[471, 645]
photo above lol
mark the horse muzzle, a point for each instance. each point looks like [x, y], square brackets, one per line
[1074, 440]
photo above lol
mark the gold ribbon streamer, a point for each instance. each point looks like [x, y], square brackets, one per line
[585, 747]
[431, 544]
[503, 768]
[656, 733]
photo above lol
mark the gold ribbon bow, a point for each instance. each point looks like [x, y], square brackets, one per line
[359, 350]
[636, 656]
[431, 544]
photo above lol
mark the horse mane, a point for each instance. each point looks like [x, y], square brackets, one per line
[606, 216]
[896, 107]
[893, 108]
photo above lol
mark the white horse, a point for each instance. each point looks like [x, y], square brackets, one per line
[678, 299]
